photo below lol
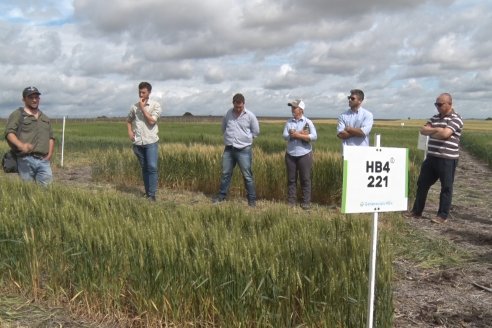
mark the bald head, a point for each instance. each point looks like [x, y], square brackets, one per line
[446, 97]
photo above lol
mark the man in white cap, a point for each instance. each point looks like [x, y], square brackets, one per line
[29, 134]
[299, 131]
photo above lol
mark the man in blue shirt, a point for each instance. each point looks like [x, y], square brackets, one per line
[299, 131]
[355, 124]
[239, 127]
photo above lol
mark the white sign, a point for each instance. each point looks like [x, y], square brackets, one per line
[375, 179]
[422, 142]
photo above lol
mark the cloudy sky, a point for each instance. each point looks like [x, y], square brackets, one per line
[88, 56]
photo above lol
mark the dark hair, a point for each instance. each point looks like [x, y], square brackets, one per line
[358, 93]
[145, 85]
[238, 98]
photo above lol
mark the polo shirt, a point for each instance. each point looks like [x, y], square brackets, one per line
[37, 132]
[448, 148]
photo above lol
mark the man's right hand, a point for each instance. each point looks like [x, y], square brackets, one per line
[25, 148]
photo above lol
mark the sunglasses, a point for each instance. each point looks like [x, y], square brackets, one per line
[439, 104]
[351, 98]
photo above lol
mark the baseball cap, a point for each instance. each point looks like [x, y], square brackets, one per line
[30, 91]
[297, 103]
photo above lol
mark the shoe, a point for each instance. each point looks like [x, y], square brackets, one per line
[252, 204]
[151, 198]
[306, 206]
[439, 220]
[411, 215]
[217, 200]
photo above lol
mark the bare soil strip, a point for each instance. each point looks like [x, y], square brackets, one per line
[462, 296]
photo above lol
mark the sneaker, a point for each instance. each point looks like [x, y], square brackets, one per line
[439, 220]
[252, 204]
[151, 198]
[411, 215]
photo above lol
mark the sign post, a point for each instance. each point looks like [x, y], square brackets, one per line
[375, 179]
[63, 142]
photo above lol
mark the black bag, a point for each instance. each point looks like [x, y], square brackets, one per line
[9, 162]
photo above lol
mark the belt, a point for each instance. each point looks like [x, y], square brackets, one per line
[37, 156]
[229, 147]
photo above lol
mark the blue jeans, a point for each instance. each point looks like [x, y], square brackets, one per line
[433, 169]
[147, 156]
[35, 169]
[243, 157]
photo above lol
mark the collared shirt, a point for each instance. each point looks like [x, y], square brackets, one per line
[145, 133]
[239, 131]
[361, 119]
[448, 148]
[296, 147]
[36, 131]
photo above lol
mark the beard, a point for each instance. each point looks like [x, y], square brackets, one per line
[32, 107]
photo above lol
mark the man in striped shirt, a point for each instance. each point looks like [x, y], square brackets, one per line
[444, 131]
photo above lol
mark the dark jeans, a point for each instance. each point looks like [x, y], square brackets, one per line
[301, 165]
[434, 168]
[147, 157]
[243, 157]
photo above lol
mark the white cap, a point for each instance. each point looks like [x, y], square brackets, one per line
[297, 103]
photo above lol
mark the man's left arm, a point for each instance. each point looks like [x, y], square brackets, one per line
[51, 149]
[366, 126]
[363, 131]
[254, 126]
[436, 132]
[442, 133]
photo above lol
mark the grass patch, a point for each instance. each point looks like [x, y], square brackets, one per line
[425, 250]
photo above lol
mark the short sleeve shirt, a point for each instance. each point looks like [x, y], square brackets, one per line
[36, 131]
[448, 148]
[145, 133]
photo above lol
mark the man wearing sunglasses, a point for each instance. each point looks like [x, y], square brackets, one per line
[355, 124]
[444, 131]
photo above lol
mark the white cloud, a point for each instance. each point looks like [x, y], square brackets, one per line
[88, 56]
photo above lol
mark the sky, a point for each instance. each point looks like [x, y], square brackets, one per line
[87, 56]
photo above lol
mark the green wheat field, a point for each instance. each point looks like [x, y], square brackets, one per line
[107, 253]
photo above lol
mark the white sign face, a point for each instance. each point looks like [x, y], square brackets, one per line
[375, 179]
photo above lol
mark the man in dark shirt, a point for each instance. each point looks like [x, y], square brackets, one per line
[30, 134]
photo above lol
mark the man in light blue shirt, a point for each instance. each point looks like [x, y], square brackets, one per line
[239, 127]
[355, 124]
[299, 131]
